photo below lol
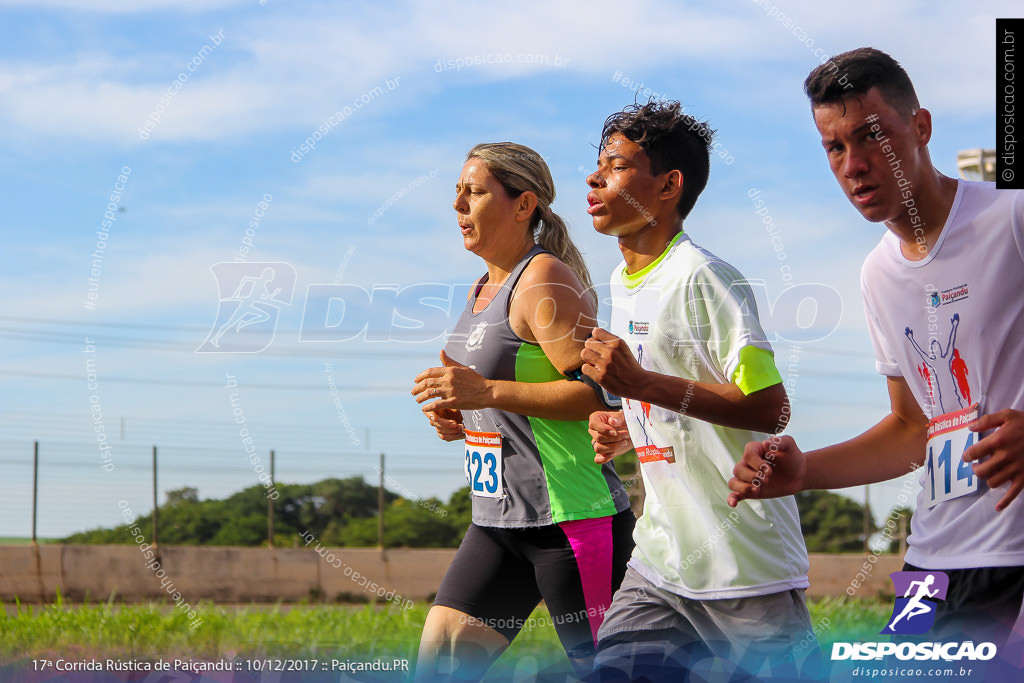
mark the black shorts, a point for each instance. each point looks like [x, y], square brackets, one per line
[981, 603]
[498, 577]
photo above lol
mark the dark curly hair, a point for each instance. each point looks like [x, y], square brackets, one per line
[671, 140]
[857, 71]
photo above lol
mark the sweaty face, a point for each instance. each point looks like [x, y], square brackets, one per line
[624, 195]
[486, 214]
[873, 153]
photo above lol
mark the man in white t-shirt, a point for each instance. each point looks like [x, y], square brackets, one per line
[942, 296]
[687, 354]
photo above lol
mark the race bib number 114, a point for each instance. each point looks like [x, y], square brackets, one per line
[948, 476]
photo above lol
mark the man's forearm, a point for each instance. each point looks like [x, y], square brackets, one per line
[889, 449]
[721, 404]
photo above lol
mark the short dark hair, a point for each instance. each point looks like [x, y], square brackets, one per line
[671, 140]
[857, 71]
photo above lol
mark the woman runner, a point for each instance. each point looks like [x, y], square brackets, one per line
[548, 522]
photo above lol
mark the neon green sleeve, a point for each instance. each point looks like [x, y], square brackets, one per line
[756, 370]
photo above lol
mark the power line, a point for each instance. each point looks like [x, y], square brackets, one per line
[314, 349]
[363, 388]
[812, 348]
[165, 328]
[105, 324]
[189, 422]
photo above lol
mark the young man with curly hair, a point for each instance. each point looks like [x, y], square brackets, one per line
[687, 353]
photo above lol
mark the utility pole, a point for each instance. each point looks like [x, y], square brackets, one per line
[35, 487]
[867, 520]
[380, 507]
[154, 499]
[270, 505]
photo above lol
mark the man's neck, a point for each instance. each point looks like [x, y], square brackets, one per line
[919, 230]
[641, 249]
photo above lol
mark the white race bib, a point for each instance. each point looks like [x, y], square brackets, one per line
[483, 464]
[947, 475]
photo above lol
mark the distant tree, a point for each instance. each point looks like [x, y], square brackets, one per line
[250, 529]
[627, 466]
[460, 512]
[188, 523]
[321, 509]
[187, 494]
[887, 538]
[406, 524]
[330, 503]
[831, 523]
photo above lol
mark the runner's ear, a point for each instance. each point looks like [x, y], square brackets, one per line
[672, 186]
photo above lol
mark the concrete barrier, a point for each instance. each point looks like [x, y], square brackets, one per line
[30, 573]
[852, 575]
[230, 574]
[219, 574]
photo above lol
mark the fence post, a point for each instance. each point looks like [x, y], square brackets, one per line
[903, 534]
[270, 505]
[35, 487]
[154, 499]
[380, 508]
[867, 520]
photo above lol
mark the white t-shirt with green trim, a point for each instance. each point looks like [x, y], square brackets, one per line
[689, 317]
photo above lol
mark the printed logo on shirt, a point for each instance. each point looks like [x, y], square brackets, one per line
[476, 337]
[639, 328]
[646, 454]
[938, 298]
[943, 371]
[953, 294]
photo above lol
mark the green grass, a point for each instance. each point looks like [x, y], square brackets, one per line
[843, 619]
[158, 631]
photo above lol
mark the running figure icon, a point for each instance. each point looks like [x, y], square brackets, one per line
[249, 312]
[914, 606]
[251, 297]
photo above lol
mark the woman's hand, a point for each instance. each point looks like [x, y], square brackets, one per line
[452, 386]
[609, 435]
[447, 422]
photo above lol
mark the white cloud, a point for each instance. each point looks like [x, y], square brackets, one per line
[269, 83]
[292, 68]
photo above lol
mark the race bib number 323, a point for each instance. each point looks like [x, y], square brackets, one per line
[948, 476]
[483, 464]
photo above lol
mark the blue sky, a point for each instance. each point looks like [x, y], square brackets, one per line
[402, 91]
